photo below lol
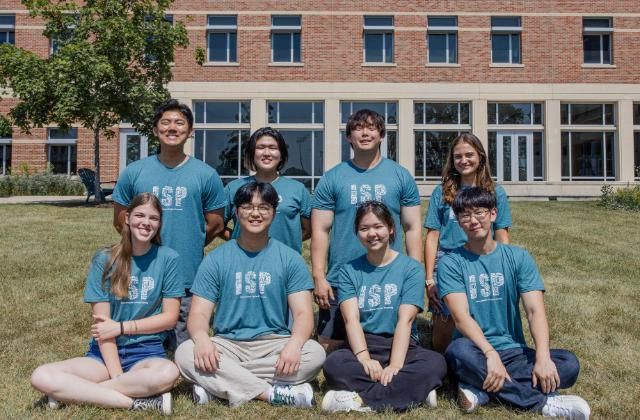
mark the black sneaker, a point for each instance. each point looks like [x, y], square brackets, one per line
[162, 403]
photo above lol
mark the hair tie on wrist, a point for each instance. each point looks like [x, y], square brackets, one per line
[361, 351]
[121, 328]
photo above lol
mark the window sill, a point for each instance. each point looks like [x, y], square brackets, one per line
[221, 64]
[379, 65]
[599, 66]
[506, 65]
[442, 65]
[285, 64]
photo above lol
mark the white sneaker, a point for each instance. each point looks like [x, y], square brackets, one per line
[470, 398]
[343, 401]
[293, 395]
[432, 399]
[200, 395]
[568, 406]
[52, 403]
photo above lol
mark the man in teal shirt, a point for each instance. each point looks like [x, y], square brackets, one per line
[253, 283]
[482, 283]
[191, 193]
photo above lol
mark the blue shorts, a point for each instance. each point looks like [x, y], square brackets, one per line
[445, 313]
[132, 353]
[330, 321]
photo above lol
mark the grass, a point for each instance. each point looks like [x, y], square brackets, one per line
[589, 258]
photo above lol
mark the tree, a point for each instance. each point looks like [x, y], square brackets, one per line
[112, 63]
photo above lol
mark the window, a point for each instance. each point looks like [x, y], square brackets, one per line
[221, 130]
[222, 38]
[505, 40]
[378, 39]
[588, 153]
[5, 153]
[514, 113]
[61, 152]
[61, 39]
[148, 53]
[597, 40]
[636, 140]
[285, 39]
[437, 124]
[442, 35]
[389, 110]
[516, 155]
[8, 29]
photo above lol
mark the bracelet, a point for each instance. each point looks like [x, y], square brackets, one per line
[489, 351]
[121, 328]
[361, 351]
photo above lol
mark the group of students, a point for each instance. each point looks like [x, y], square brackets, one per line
[155, 289]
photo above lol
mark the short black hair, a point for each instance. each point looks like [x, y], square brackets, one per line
[250, 148]
[265, 190]
[173, 105]
[473, 197]
[365, 117]
[381, 211]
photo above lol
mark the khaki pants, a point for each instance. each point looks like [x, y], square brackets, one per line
[247, 368]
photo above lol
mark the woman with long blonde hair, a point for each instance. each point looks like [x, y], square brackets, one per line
[134, 289]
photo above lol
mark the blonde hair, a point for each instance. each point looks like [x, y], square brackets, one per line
[451, 180]
[118, 268]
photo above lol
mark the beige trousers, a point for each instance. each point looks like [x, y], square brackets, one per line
[247, 368]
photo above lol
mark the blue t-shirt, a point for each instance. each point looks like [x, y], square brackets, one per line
[345, 186]
[493, 284]
[186, 192]
[441, 217]
[381, 290]
[250, 289]
[154, 276]
[294, 203]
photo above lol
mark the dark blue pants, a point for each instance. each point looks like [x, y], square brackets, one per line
[423, 371]
[467, 362]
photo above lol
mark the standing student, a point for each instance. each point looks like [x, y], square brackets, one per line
[380, 295]
[266, 153]
[190, 191]
[134, 288]
[466, 166]
[483, 282]
[368, 176]
[253, 283]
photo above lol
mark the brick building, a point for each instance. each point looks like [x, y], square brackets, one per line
[551, 87]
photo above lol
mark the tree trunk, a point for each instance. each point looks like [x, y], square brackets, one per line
[99, 197]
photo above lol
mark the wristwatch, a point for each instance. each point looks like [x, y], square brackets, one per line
[430, 282]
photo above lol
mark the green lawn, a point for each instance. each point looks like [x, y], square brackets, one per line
[589, 258]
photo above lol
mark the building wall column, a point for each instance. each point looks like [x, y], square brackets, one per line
[625, 157]
[553, 146]
[406, 143]
[332, 146]
[479, 121]
[258, 114]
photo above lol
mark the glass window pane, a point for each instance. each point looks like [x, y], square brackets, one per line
[218, 46]
[610, 154]
[588, 114]
[295, 112]
[564, 113]
[436, 150]
[606, 49]
[199, 112]
[59, 134]
[453, 48]
[636, 153]
[437, 48]
[345, 110]
[222, 20]
[373, 48]
[392, 144]
[222, 151]
[522, 158]
[373, 106]
[493, 152]
[419, 154]
[565, 166]
[245, 109]
[272, 111]
[296, 47]
[516, 113]
[8, 20]
[492, 116]
[537, 113]
[345, 147]
[636, 114]
[596, 22]
[506, 158]
[318, 117]
[500, 48]
[441, 113]
[442, 21]
[378, 21]
[591, 45]
[391, 113]
[388, 48]
[464, 113]
[505, 21]
[418, 113]
[537, 155]
[233, 47]
[59, 158]
[608, 114]
[587, 154]
[318, 144]
[286, 20]
[198, 145]
[515, 48]
[222, 112]
[133, 148]
[299, 145]
[281, 46]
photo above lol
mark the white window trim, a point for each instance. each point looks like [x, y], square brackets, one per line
[590, 127]
[379, 29]
[443, 30]
[226, 29]
[531, 126]
[514, 170]
[444, 126]
[605, 177]
[291, 48]
[424, 128]
[68, 146]
[3, 146]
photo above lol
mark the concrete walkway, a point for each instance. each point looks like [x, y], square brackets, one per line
[43, 199]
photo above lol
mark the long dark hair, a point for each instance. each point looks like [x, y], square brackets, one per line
[118, 268]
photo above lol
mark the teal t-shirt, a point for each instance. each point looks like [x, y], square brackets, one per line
[250, 289]
[381, 290]
[441, 217]
[344, 187]
[294, 203]
[493, 284]
[154, 276]
[186, 192]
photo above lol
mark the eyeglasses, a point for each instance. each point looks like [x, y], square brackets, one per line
[262, 209]
[477, 214]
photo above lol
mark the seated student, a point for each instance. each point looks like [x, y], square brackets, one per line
[134, 289]
[252, 282]
[482, 283]
[380, 294]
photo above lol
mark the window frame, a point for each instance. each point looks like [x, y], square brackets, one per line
[511, 31]
[9, 29]
[69, 142]
[604, 133]
[600, 32]
[379, 30]
[534, 125]
[442, 30]
[636, 140]
[575, 126]
[5, 143]
[222, 29]
[292, 30]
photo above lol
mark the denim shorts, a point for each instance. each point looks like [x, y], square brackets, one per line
[330, 321]
[445, 314]
[132, 353]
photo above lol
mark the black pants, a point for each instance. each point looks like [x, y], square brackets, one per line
[423, 371]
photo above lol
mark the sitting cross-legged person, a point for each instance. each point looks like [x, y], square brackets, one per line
[254, 283]
[482, 283]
